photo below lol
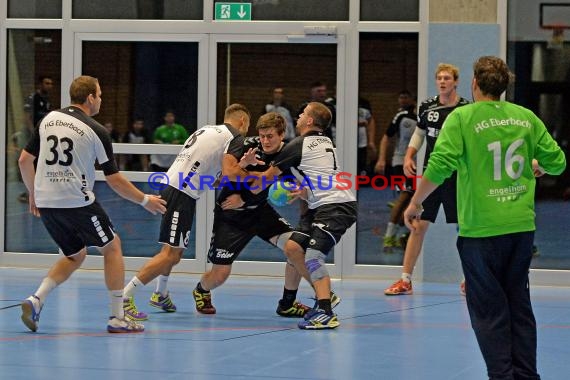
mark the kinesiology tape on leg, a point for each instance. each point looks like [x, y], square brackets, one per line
[282, 239]
[315, 264]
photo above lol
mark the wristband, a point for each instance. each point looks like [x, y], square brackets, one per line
[145, 200]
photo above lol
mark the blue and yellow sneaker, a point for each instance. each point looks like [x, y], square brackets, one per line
[162, 302]
[335, 300]
[131, 311]
[319, 320]
[31, 309]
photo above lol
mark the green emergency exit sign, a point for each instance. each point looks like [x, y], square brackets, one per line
[233, 11]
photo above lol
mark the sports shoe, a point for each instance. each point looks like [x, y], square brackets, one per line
[298, 310]
[203, 302]
[403, 240]
[462, 288]
[400, 287]
[31, 309]
[131, 311]
[390, 242]
[123, 326]
[162, 302]
[319, 321]
[335, 300]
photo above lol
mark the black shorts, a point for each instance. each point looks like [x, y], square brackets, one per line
[321, 228]
[233, 230]
[176, 222]
[398, 170]
[76, 228]
[445, 194]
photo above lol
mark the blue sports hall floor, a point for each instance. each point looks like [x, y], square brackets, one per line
[422, 336]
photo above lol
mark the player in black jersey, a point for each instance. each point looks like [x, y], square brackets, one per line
[67, 144]
[311, 158]
[431, 117]
[240, 215]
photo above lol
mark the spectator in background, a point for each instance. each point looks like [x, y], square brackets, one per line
[36, 106]
[137, 134]
[398, 137]
[366, 136]
[278, 105]
[319, 94]
[168, 133]
[115, 135]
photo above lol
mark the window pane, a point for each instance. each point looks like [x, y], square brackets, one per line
[250, 71]
[389, 10]
[293, 10]
[144, 80]
[34, 8]
[33, 88]
[388, 65]
[139, 9]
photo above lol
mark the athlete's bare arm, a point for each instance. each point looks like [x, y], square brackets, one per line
[122, 186]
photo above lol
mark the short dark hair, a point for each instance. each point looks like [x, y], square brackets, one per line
[234, 108]
[492, 75]
[321, 115]
[317, 83]
[41, 78]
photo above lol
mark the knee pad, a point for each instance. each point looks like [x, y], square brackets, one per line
[315, 264]
[282, 239]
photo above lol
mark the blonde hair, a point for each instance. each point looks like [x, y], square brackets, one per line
[454, 70]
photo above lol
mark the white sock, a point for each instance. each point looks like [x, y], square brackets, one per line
[117, 303]
[132, 286]
[407, 277]
[162, 284]
[45, 288]
[391, 229]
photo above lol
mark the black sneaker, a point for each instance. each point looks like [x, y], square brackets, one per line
[298, 310]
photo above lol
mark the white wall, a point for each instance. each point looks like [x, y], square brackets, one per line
[523, 20]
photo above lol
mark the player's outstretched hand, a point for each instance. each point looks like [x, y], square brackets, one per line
[250, 158]
[299, 192]
[155, 204]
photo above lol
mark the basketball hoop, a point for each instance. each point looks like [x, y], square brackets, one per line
[557, 39]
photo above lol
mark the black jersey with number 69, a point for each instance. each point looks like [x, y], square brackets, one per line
[67, 144]
[311, 158]
[431, 117]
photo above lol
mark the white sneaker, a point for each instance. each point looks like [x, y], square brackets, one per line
[31, 309]
[125, 326]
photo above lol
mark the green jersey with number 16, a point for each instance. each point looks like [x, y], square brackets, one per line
[491, 144]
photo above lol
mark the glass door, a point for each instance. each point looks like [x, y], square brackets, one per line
[259, 70]
[147, 81]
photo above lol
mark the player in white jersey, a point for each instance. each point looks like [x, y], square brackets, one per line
[67, 144]
[209, 151]
[331, 205]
